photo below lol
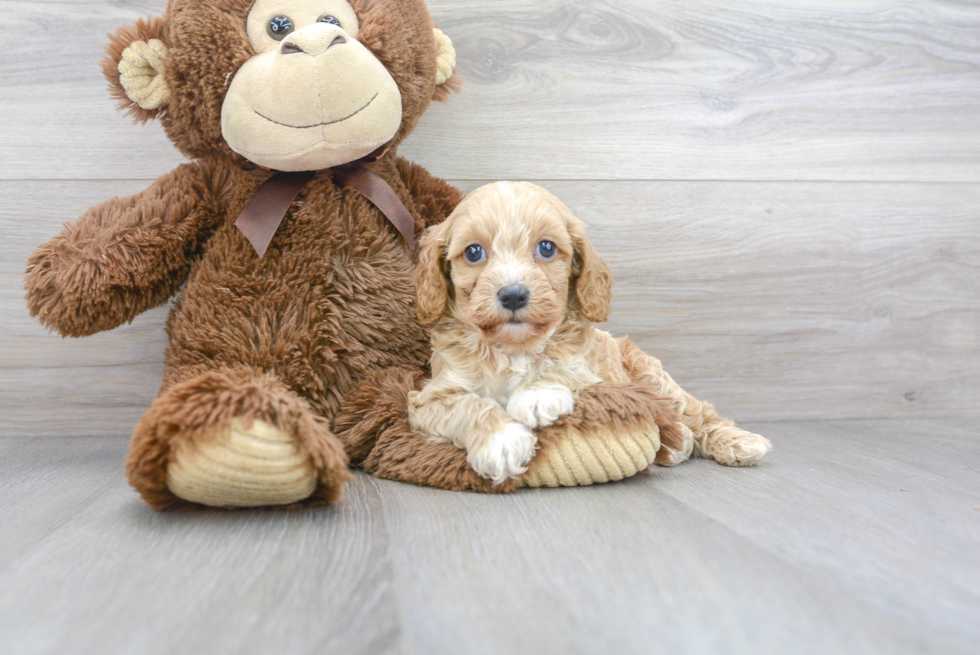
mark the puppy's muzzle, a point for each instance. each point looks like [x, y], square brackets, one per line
[514, 297]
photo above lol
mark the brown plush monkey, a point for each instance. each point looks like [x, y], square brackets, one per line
[273, 329]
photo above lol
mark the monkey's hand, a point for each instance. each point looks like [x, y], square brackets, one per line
[121, 257]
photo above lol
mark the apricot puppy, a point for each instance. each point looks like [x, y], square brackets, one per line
[511, 286]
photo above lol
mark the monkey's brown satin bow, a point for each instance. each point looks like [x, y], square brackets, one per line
[265, 212]
[374, 187]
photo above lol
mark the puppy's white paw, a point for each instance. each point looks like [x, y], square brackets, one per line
[539, 408]
[738, 447]
[505, 455]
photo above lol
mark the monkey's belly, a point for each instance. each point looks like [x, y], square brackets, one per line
[320, 333]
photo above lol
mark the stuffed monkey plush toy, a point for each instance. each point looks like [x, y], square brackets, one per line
[289, 235]
[290, 240]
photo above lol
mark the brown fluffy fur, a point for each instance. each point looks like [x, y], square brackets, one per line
[145, 29]
[208, 43]
[373, 425]
[203, 406]
[284, 338]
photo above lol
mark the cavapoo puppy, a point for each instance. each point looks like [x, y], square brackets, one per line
[511, 287]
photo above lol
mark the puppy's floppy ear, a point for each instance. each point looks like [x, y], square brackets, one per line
[431, 280]
[592, 277]
[134, 63]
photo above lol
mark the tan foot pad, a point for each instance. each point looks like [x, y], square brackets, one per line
[614, 433]
[242, 468]
[605, 455]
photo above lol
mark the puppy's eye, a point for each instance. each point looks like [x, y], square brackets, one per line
[333, 20]
[475, 254]
[547, 250]
[279, 27]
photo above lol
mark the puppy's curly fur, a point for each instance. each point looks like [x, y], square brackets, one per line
[512, 287]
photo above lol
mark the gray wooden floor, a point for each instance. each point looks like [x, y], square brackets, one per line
[855, 537]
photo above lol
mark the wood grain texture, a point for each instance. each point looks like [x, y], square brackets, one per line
[854, 537]
[87, 567]
[914, 489]
[774, 301]
[761, 90]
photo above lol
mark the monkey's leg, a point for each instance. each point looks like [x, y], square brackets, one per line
[234, 438]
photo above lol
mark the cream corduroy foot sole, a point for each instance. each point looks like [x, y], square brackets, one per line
[602, 457]
[250, 467]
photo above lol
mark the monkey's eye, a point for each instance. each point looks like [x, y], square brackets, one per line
[475, 254]
[547, 250]
[333, 20]
[279, 27]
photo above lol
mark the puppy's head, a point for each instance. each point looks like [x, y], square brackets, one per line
[512, 260]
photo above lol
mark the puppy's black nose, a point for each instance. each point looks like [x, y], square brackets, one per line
[514, 298]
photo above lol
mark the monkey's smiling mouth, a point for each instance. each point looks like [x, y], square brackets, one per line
[307, 127]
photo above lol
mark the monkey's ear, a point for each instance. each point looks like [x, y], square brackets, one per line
[446, 79]
[134, 63]
[431, 280]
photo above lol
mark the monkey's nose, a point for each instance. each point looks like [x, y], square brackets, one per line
[317, 45]
[514, 297]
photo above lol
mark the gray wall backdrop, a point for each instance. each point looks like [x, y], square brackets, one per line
[788, 191]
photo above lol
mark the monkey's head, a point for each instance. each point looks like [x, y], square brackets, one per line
[291, 85]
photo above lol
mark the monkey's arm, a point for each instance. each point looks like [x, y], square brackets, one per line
[434, 198]
[122, 256]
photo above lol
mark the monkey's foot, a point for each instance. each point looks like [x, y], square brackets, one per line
[235, 439]
[242, 467]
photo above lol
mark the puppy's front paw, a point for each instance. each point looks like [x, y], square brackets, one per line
[505, 455]
[539, 408]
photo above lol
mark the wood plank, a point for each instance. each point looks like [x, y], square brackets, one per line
[50, 481]
[853, 537]
[808, 560]
[765, 90]
[620, 568]
[102, 572]
[805, 301]
[913, 487]
[55, 103]
[775, 301]
[99, 386]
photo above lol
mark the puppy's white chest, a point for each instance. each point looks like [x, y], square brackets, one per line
[519, 371]
[501, 385]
